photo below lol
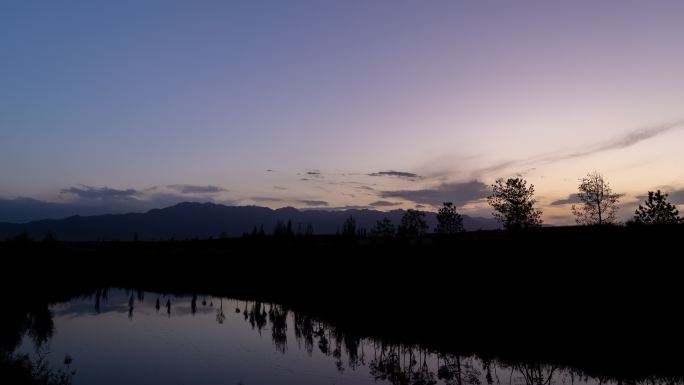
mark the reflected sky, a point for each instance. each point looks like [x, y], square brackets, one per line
[121, 336]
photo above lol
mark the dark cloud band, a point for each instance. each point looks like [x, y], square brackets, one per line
[397, 174]
[458, 193]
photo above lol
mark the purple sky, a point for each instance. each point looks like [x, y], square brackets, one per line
[387, 104]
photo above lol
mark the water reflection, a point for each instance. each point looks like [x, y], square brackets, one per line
[307, 349]
[34, 322]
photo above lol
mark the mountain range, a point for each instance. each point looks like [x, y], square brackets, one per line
[202, 220]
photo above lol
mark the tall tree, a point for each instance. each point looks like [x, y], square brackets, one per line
[657, 211]
[449, 221]
[349, 227]
[309, 229]
[598, 202]
[413, 224]
[513, 203]
[282, 230]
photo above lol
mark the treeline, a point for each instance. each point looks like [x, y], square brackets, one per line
[515, 207]
[595, 205]
[413, 224]
[512, 201]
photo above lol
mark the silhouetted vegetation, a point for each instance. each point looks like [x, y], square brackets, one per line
[413, 224]
[656, 210]
[20, 369]
[404, 362]
[513, 203]
[451, 296]
[194, 220]
[349, 227]
[282, 230]
[25, 317]
[383, 228]
[449, 221]
[598, 202]
[309, 229]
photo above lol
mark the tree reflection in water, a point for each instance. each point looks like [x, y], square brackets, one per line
[393, 363]
[35, 321]
[409, 364]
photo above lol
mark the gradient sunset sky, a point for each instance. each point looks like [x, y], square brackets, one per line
[130, 105]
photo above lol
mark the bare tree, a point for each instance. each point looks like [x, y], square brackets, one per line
[598, 202]
[513, 203]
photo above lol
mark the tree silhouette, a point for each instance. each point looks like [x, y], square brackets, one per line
[349, 227]
[598, 203]
[513, 203]
[279, 230]
[383, 228]
[536, 374]
[131, 306]
[456, 371]
[304, 331]
[283, 230]
[657, 211]
[449, 221]
[413, 224]
[50, 238]
[278, 317]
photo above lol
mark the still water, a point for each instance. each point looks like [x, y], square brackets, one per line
[124, 337]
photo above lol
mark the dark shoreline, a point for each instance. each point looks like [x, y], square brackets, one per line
[506, 296]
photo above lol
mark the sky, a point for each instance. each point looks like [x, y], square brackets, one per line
[110, 106]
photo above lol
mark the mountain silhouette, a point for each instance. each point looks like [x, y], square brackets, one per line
[202, 220]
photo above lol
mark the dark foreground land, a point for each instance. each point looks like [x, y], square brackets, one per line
[605, 301]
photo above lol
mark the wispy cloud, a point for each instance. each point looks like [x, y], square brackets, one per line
[674, 196]
[312, 174]
[347, 207]
[460, 193]
[571, 199]
[194, 189]
[396, 174]
[624, 140]
[313, 203]
[266, 199]
[91, 200]
[103, 193]
[384, 204]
